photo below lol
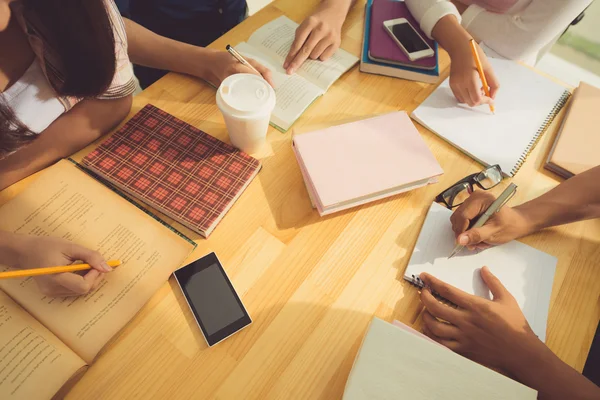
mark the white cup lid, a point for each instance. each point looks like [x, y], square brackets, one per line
[245, 95]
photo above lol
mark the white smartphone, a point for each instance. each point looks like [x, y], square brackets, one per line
[408, 39]
[212, 299]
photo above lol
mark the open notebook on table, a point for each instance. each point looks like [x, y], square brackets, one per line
[396, 362]
[527, 273]
[526, 104]
[270, 45]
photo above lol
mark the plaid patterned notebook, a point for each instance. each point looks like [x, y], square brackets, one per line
[172, 166]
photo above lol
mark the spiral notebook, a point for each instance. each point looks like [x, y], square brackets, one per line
[527, 273]
[396, 362]
[526, 104]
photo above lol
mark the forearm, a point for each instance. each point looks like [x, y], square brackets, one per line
[342, 5]
[575, 199]
[83, 124]
[151, 50]
[451, 35]
[543, 371]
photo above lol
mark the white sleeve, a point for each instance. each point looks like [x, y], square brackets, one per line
[519, 35]
[429, 12]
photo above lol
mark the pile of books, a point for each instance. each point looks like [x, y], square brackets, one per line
[381, 54]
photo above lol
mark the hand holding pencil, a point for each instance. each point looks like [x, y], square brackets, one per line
[486, 88]
[39, 253]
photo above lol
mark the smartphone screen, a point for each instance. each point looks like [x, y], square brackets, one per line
[212, 299]
[409, 38]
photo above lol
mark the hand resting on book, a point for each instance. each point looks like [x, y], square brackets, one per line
[496, 334]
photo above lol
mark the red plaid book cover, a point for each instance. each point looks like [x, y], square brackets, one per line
[185, 173]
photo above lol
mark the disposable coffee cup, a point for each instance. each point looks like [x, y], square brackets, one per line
[246, 102]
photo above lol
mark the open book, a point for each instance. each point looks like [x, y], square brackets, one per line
[46, 343]
[270, 46]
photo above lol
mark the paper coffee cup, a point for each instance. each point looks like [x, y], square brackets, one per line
[246, 102]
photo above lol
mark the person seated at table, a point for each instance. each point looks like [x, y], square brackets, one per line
[196, 22]
[513, 29]
[65, 80]
[495, 332]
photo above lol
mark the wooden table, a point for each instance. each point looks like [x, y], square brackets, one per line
[312, 284]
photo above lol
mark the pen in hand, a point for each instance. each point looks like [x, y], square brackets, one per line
[241, 59]
[493, 208]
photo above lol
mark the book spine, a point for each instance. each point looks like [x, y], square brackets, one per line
[555, 110]
[119, 192]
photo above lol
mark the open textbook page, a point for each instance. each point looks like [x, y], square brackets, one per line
[294, 93]
[34, 364]
[67, 203]
[270, 45]
[275, 40]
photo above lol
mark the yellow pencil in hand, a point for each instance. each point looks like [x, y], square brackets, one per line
[486, 88]
[52, 270]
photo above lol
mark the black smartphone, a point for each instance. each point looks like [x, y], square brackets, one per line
[212, 299]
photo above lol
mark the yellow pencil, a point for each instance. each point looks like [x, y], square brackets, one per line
[486, 88]
[52, 270]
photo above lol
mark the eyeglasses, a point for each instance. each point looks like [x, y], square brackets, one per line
[456, 194]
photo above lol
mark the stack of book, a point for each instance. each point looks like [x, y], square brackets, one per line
[381, 55]
[360, 162]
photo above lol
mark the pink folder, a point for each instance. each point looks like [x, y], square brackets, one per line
[352, 164]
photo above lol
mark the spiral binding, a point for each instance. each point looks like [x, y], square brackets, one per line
[555, 110]
[418, 282]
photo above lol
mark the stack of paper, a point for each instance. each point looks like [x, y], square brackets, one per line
[352, 164]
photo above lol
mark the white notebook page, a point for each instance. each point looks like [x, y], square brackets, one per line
[524, 102]
[394, 363]
[527, 273]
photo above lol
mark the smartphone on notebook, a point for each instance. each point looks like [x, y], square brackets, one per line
[408, 39]
[212, 299]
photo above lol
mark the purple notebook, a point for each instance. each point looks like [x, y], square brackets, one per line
[382, 47]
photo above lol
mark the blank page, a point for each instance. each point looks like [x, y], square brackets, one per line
[527, 273]
[395, 363]
[525, 101]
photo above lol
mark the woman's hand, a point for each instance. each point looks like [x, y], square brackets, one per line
[221, 64]
[318, 37]
[40, 252]
[464, 77]
[492, 332]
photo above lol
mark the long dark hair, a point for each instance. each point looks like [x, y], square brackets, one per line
[79, 47]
